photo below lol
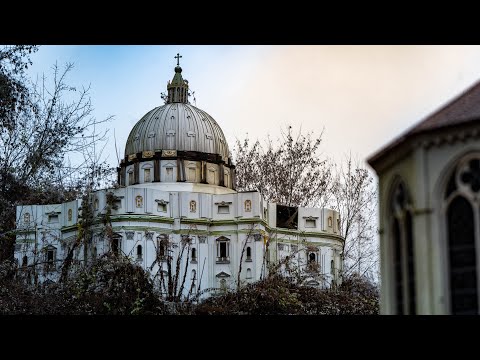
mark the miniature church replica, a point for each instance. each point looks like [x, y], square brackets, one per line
[176, 186]
[429, 180]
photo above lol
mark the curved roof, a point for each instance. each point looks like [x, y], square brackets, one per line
[177, 126]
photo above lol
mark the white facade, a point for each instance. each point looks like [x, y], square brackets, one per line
[177, 181]
[147, 214]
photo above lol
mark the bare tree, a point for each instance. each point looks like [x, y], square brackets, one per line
[57, 121]
[293, 173]
[290, 172]
[354, 197]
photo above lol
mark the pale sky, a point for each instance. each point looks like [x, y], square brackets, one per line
[363, 96]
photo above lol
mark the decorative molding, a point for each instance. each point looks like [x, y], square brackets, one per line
[257, 237]
[132, 157]
[310, 217]
[202, 239]
[161, 201]
[223, 203]
[222, 274]
[148, 154]
[149, 235]
[130, 235]
[169, 153]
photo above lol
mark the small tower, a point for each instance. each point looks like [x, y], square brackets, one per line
[178, 88]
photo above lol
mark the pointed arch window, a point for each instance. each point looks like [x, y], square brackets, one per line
[462, 221]
[403, 250]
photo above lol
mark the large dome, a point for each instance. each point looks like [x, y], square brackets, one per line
[177, 126]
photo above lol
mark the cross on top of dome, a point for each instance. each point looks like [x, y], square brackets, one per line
[178, 57]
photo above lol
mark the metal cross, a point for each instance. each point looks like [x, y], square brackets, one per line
[178, 58]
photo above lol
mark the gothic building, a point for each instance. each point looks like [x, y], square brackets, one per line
[429, 181]
[176, 184]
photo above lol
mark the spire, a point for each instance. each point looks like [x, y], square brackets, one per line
[177, 88]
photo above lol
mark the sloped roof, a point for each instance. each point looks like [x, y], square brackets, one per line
[462, 109]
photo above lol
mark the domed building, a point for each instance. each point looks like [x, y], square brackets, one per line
[176, 200]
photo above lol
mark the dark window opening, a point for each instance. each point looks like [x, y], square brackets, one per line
[287, 217]
[139, 251]
[115, 246]
[311, 257]
[461, 251]
[249, 253]
[25, 261]
[223, 249]
[194, 254]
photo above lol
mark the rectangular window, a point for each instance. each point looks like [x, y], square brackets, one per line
[294, 248]
[310, 223]
[116, 246]
[53, 218]
[130, 178]
[161, 249]
[223, 209]
[192, 174]
[211, 177]
[162, 207]
[223, 251]
[147, 177]
[169, 174]
[50, 260]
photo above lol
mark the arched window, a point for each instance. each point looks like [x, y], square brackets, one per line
[70, 213]
[462, 219]
[26, 218]
[249, 273]
[311, 257]
[95, 204]
[25, 260]
[139, 251]
[249, 253]
[403, 250]
[193, 206]
[139, 201]
[248, 205]
[194, 254]
[332, 267]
